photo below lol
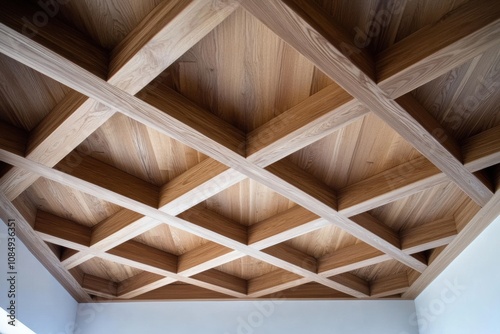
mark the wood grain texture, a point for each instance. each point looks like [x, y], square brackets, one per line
[303, 124]
[99, 287]
[56, 35]
[39, 248]
[389, 286]
[86, 115]
[459, 36]
[256, 175]
[475, 226]
[428, 236]
[166, 33]
[150, 116]
[296, 28]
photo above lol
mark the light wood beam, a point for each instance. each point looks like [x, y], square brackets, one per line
[350, 258]
[174, 25]
[182, 292]
[284, 226]
[482, 150]
[142, 283]
[61, 231]
[388, 186]
[297, 25]
[435, 49]
[216, 223]
[98, 286]
[39, 249]
[468, 233]
[309, 291]
[41, 58]
[134, 254]
[274, 281]
[197, 184]
[118, 228]
[165, 34]
[314, 118]
[479, 152]
[352, 281]
[114, 179]
[57, 36]
[428, 236]
[219, 278]
[388, 286]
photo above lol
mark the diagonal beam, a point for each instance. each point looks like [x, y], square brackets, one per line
[297, 22]
[40, 249]
[142, 208]
[479, 152]
[42, 59]
[437, 48]
[468, 233]
[389, 286]
[67, 233]
[170, 29]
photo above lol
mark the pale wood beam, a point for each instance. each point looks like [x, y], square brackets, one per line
[309, 291]
[435, 49]
[182, 292]
[100, 287]
[467, 234]
[274, 281]
[298, 24]
[41, 59]
[350, 258]
[388, 186]
[428, 236]
[482, 150]
[77, 116]
[57, 36]
[388, 286]
[353, 282]
[39, 249]
[165, 34]
[134, 254]
[197, 184]
[479, 152]
[142, 283]
[62, 231]
[284, 226]
[114, 179]
[312, 119]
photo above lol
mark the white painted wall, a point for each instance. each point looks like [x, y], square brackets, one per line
[42, 303]
[247, 317]
[465, 298]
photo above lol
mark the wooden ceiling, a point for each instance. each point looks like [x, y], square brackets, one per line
[224, 149]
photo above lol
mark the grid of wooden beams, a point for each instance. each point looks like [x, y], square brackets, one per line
[364, 86]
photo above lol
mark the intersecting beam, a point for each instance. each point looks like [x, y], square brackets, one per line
[388, 286]
[469, 232]
[58, 36]
[67, 233]
[40, 249]
[428, 236]
[303, 26]
[42, 59]
[254, 172]
[462, 34]
[98, 286]
[301, 227]
[479, 152]
[162, 36]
